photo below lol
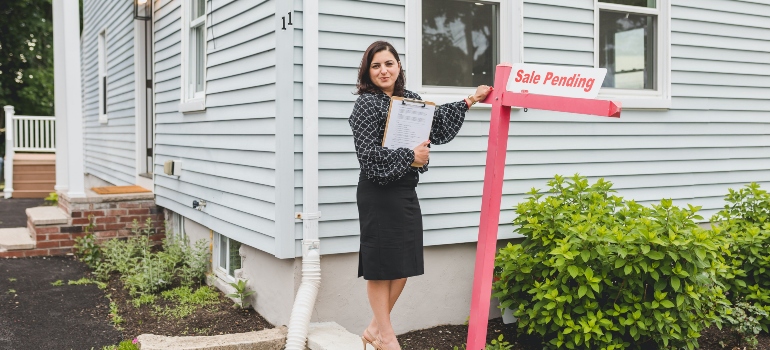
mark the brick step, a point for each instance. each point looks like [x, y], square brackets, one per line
[32, 193]
[38, 175]
[24, 185]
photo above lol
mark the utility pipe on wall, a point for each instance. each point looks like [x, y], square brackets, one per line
[311, 259]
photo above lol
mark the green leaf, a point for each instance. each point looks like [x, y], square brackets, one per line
[656, 255]
[667, 304]
[573, 271]
[582, 291]
[628, 269]
[700, 253]
[585, 255]
[645, 249]
[675, 283]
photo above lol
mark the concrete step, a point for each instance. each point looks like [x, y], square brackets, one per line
[16, 238]
[49, 215]
[332, 336]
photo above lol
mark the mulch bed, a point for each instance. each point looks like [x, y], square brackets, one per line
[447, 337]
[221, 318]
[34, 314]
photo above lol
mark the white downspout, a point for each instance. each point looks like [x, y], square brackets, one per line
[311, 259]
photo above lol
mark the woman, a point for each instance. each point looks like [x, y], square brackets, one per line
[388, 209]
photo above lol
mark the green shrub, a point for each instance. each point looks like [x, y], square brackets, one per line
[144, 271]
[746, 221]
[598, 272]
[88, 251]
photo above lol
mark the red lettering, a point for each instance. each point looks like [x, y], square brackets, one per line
[518, 75]
[548, 77]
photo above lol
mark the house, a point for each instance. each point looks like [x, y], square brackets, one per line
[255, 124]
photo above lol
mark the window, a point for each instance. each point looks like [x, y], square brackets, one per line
[102, 75]
[455, 45]
[226, 256]
[177, 225]
[632, 44]
[194, 56]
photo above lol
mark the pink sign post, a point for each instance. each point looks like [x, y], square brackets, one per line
[502, 101]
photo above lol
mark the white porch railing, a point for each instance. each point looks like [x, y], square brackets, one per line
[25, 134]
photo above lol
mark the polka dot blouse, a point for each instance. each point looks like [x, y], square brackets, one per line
[383, 165]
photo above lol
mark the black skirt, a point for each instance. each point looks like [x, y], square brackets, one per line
[391, 229]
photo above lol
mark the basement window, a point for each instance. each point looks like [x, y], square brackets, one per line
[227, 258]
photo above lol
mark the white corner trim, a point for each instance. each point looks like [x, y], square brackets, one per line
[193, 105]
[103, 118]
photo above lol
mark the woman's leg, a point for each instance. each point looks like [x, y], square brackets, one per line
[382, 296]
[395, 289]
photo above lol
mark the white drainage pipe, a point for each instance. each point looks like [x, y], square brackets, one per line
[305, 300]
[299, 321]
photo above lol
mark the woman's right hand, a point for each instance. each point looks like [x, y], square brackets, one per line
[422, 153]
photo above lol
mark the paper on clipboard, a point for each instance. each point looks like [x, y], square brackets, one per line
[408, 124]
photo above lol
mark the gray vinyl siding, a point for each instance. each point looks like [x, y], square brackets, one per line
[716, 135]
[109, 148]
[228, 151]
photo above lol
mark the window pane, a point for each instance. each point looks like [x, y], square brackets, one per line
[627, 50]
[235, 257]
[200, 48]
[640, 3]
[223, 252]
[198, 8]
[459, 42]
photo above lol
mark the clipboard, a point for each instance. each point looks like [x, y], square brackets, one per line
[410, 120]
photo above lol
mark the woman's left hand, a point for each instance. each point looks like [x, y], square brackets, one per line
[481, 93]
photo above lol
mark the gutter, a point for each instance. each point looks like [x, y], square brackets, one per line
[311, 259]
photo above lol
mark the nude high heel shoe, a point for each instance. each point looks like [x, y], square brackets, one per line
[375, 343]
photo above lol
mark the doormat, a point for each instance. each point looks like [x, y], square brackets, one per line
[120, 189]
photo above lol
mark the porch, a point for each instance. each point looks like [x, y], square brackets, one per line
[30, 155]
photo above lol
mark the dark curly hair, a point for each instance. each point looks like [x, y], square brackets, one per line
[365, 84]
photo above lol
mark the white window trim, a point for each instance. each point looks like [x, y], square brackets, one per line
[642, 99]
[218, 271]
[511, 49]
[197, 102]
[101, 62]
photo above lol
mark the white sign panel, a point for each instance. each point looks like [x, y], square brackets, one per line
[556, 80]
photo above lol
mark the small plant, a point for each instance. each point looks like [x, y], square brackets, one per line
[187, 301]
[12, 291]
[57, 283]
[52, 199]
[88, 251]
[84, 281]
[11, 279]
[240, 293]
[124, 345]
[744, 318]
[144, 299]
[115, 316]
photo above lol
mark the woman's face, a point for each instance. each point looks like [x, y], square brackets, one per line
[384, 71]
